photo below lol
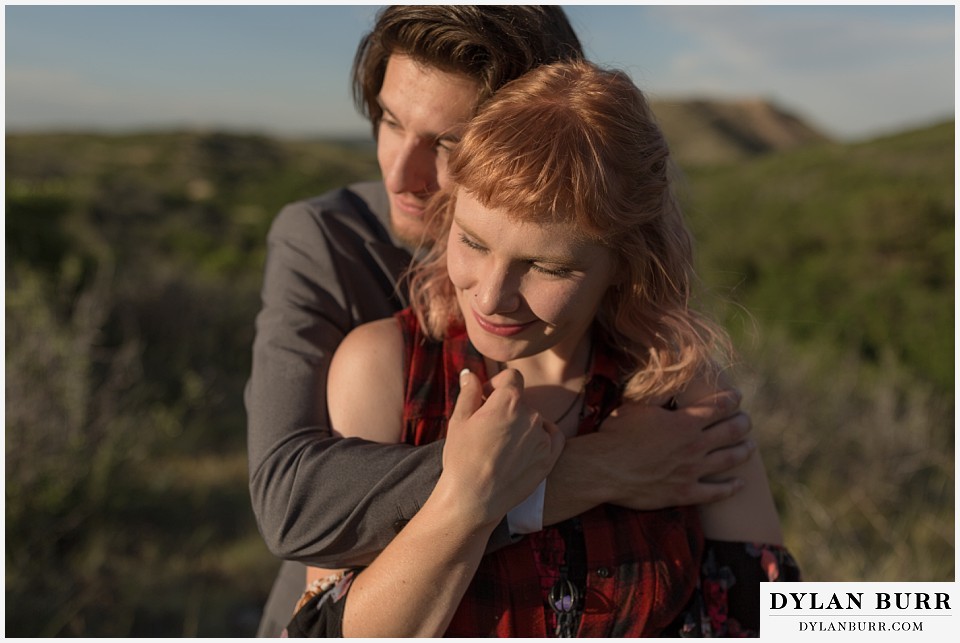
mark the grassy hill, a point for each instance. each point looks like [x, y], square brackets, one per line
[133, 265]
[848, 246]
[836, 264]
[133, 269]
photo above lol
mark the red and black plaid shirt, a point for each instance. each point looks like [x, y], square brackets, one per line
[636, 569]
[641, 568]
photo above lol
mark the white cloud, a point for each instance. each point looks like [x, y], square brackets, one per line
[856, 72]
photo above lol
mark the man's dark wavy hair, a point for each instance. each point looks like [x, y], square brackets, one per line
[490, 44]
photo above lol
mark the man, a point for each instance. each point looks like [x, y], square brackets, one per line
[336, 261]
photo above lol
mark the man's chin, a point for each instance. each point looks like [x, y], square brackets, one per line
[406, 227]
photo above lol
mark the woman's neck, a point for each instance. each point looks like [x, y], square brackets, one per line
[554, 385]
[553, 367]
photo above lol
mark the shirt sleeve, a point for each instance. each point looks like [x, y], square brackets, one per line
[726, 602]
[319, 613]
[307, 506]
[527, 517]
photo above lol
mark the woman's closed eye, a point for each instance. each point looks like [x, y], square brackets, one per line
[557, 272]
[470, 243]
[560, 273]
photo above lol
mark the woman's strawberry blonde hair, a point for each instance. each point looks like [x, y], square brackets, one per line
[570, 142]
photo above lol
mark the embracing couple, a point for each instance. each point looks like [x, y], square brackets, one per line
[481, 403]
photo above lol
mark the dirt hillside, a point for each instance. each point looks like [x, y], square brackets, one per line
[710, 131]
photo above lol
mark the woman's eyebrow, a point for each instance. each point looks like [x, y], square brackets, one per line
[565, 260]
[459, 223]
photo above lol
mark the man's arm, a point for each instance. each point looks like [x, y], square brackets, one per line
[317, 498]
[647, 457]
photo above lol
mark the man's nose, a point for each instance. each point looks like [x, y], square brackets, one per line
[413, 169]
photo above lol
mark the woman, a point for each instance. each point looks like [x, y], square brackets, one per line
[557, 284]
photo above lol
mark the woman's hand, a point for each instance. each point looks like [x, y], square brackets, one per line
[497, 450]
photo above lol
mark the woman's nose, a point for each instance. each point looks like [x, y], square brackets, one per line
[497, 292]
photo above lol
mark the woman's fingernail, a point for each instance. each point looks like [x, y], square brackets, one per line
[463, 376]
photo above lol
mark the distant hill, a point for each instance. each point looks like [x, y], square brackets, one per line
[705, 131]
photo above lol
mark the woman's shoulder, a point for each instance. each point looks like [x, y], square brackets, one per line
[750, 515]
[365, 382]
[370, 351]
[376, 335]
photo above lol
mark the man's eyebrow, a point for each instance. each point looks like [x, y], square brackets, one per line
[385, 108]
[447, 137]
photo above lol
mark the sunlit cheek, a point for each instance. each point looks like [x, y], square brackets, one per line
[459, 266]
[386, 149]
[555, 302]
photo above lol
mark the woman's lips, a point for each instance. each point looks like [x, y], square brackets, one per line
[503, 330]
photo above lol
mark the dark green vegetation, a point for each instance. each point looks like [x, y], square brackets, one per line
[849, 246]
[837, 264]
[133, 265]
[133, 269]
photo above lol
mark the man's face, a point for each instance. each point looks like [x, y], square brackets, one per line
[424, 113]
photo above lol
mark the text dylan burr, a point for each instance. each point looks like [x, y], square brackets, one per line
[855, 601]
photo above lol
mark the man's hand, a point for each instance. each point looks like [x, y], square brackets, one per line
[647, 457]
[660, 458]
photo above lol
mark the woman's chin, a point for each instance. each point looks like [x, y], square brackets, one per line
[497, 349]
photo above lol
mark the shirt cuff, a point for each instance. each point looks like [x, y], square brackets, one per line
[527, 517]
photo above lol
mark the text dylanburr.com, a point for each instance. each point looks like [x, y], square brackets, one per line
[798, 611]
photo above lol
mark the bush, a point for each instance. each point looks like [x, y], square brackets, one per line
[860, 461]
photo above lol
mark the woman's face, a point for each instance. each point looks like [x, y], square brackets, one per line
[523, 288]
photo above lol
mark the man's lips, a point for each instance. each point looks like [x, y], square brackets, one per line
[413, 207]
[503, 330]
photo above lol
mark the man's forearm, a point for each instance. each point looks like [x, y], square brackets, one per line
[577, 482]
[338, 502]
[645, 457]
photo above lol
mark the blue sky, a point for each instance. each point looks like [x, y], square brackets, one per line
[853, 71]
